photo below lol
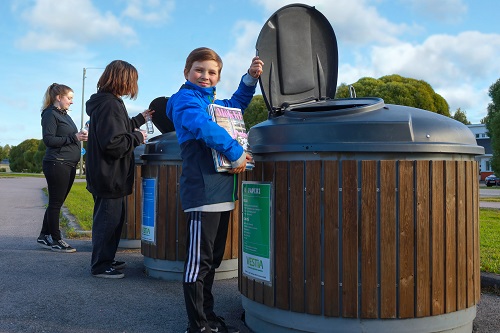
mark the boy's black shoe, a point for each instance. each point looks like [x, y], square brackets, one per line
[118, 264]
[199, 330]
[45, 241]
[217, 324]
[62, 246]
[110, 273]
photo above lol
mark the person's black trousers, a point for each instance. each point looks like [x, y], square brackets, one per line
[60, 178]
[109, 216]
[206, 242]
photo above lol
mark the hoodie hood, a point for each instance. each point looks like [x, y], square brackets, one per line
[98, 99]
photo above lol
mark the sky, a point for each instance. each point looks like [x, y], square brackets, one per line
[454, 45]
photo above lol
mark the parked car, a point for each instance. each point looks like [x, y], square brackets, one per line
[492, 180]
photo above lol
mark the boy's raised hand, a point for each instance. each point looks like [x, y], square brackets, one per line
[255, 69]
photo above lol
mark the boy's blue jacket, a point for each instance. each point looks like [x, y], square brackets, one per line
[200, 184]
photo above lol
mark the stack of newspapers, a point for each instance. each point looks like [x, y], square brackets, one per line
[231, 119]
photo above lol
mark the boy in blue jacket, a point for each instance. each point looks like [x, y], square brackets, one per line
[206, 195]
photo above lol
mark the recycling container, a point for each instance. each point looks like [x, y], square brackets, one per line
[131, 232]
[375, 209]
[164, 244]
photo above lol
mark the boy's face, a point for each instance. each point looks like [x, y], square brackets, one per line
[203, 73]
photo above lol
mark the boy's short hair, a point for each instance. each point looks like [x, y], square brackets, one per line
[119, 78]
[202, 54]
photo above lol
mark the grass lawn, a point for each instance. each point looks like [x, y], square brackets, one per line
[81, 205]
[489, 221]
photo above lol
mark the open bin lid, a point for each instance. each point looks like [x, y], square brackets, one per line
[299, 47]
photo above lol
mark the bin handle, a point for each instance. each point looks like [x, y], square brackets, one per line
[352, 91]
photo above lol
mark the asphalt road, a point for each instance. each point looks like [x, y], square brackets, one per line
[45, 291]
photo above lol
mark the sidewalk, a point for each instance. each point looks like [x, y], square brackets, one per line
[45, 291]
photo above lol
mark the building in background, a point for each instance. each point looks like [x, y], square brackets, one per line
[483, 140]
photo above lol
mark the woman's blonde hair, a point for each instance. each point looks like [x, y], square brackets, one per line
[119, 78]
[52, 92]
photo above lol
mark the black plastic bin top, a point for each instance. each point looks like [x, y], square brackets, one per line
[299, 47]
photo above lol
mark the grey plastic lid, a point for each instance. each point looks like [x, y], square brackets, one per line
[162, 148]
[362, 125]
[299, 49]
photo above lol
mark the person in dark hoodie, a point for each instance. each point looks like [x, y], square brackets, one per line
[62, 139]
[112, 139]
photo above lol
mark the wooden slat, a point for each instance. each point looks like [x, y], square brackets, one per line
[469, 233]
[162, 246]
[269, 176]
[451, 237]
[281, 244]
[406, 240]
[461, 238]
[388, 239]
[369, 290]
[331, 238]
[232, 238]
[138, 202]
[438, 239]
[171, 213]
[477, 267]
[181, 219]
[349, 239]
[423, 287]
[313, 237]
[297, 235]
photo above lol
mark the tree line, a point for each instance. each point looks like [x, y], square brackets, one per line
[393, 89]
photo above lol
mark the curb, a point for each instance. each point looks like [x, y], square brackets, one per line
[490, 280]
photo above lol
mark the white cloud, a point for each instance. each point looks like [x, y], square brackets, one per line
[69, 25]
[153, 11]
[357, 21]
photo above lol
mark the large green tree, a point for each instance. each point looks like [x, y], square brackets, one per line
[4, 152]
[493, 124]
[22, 157]
[395, 89]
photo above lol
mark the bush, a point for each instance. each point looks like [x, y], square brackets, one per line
[24, 157]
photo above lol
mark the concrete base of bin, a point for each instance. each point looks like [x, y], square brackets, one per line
[172, 270]
[130, 243]
[260, 318]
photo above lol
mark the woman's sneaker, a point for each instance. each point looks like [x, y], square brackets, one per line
[45, 241]
[110, 273]
[62, 246]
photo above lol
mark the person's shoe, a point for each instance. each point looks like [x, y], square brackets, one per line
[118, 264]
[62, 246]
[110, 273]
[45, 241]
[217, 324]
[200, 330]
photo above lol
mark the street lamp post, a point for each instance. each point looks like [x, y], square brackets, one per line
[83, 107]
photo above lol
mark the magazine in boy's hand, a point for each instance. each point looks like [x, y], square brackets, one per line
[231, 119]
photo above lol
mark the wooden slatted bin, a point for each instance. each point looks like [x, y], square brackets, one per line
[369, 246]
[131, 232]
[164, 256]
[372, 231]
[373, 209]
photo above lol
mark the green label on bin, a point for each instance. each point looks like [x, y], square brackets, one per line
[256, 230]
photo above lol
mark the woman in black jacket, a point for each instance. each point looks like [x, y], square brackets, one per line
[113, 137]
[62, 139]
